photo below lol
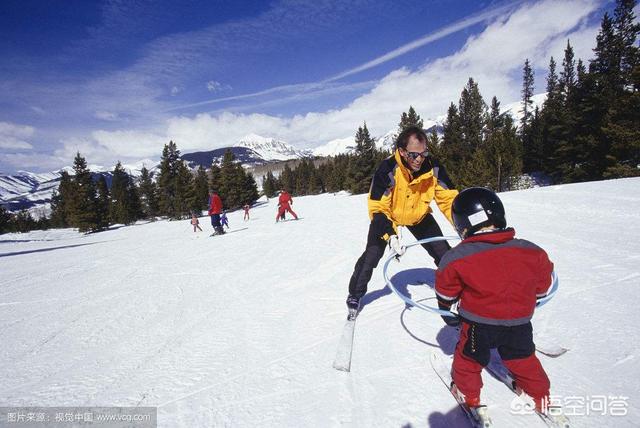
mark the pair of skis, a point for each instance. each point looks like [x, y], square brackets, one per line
[342, 360]
[479, 416]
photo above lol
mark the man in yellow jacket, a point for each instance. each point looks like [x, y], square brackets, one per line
[401, 190]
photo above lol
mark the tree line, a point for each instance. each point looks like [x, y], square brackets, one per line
[588, 128]
[85, 201]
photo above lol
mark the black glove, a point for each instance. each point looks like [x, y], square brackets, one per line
[451, 321]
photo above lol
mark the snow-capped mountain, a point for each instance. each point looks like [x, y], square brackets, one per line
[386, 141]
[271, 149]
[336, 147]
[515, 108]
[27, 190]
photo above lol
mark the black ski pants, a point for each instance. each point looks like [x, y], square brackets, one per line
[368, 261]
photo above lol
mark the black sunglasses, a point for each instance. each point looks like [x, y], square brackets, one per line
[414, 155]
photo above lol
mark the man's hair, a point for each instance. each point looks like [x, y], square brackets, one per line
[403, 138]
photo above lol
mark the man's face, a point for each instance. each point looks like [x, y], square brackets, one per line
[415, 146]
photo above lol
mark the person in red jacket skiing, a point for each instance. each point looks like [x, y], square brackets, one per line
[284, 204]
[496, 281]
[215, 208]
[246, 211]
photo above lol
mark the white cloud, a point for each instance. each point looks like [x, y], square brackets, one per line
[132, 144]
[9, 143]
[107, 147]
[106, 115]
[175, 90]
[494, 58]
[14, 137]
[213, 86]
[35, 161]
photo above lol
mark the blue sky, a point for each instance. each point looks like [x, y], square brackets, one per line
[117, 79]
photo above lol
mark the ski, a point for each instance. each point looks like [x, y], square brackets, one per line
[551, 350]
[552, 418]
[548, 348]
[228, 232]
[342, 361]
[478, 416]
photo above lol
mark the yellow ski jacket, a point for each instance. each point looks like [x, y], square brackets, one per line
[403, 197]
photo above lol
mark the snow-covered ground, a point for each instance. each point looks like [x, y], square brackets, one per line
[241, 330]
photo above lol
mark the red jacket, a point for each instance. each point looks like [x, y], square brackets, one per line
[215, 204]
[496, 277]
[284, 199]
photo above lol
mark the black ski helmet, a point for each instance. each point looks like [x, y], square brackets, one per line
[475, 208]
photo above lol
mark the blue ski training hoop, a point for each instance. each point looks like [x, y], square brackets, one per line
[552, 291]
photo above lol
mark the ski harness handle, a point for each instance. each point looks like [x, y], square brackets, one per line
[540, 302]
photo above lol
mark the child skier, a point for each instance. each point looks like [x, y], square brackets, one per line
[195, 222]
[223, 219]
[497, 280]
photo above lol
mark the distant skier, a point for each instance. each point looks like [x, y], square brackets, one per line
[284, 204]
[246, 212]
[195, 222]
[224, 221]
[497, 281]
[215, 208]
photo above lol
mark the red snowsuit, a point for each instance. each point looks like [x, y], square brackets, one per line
[497, 279]
[215, 208]
[284, 203]
[215, 204]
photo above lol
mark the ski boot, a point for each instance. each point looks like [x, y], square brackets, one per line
[353, 304]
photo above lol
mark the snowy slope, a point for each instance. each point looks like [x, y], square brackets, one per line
[241, 330]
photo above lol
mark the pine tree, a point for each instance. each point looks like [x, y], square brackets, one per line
[362, 163]
[249, 192]
[527, 93]
[529, 162]
[568, 73]
[61, 201]
[5, 219]
[185, 195]
[472, 110]
[200, 190]
[269, 185]
[621, 130]
[627, 29]
[167, 181]
[287, 178]
[215, 177]
[433, 144]
[236, 187]
[82, 212]
[102, 203]
[452, 153]
[536, 151]
[502, 155]
[23, 221]
[410, 118]
[551, 118]
[119, 210]
[464, 134]
[148, 194]
[564, 157]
